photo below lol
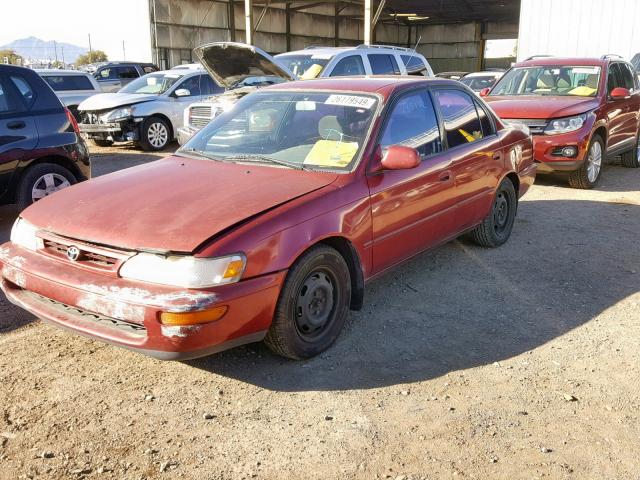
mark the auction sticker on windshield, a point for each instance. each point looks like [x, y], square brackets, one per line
[350, 101]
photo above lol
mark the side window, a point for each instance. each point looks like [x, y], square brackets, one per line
[383, 64]
[351, 65]
[412, 122]
[613, 79]
[4, 100]
[209, 87]
[127, 72]
[193, 84]
[107, 73]
[627, 77]
[413, 64]
[24, 88]
[461, 122]
[485, 121]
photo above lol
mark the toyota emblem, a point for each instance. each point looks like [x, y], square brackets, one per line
[73, 253]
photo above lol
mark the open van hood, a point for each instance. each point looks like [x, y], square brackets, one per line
[230, 62]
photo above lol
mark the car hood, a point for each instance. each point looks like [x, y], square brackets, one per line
[230, 62]
[534, 106]
[174, 204]
[105, 101]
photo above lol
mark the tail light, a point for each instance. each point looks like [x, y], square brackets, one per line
[72, 120]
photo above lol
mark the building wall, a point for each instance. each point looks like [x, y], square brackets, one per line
[596, 28]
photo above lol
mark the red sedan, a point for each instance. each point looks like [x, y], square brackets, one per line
[270, 221]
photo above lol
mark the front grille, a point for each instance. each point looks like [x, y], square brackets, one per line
[90, 256]
[132, 329]
[536, 126]
[201, 111]
[200, 115]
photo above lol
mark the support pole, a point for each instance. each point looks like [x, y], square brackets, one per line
[336, 25]
[367, 22]
[287, 11]
[248, 21]
[231, 21]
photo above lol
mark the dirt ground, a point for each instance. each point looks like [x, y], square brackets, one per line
[519, 362]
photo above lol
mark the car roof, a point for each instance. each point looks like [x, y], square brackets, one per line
[484, 73]
[559, 61]
[55, 71]
[382, 84]
[335, 50]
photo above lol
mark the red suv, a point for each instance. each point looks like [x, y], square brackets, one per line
[579, 111]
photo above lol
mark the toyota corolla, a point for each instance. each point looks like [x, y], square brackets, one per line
[270, 221]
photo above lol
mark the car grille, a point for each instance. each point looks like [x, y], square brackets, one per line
[89, 256]
[132, 329]
[536, 126]
[200, 115]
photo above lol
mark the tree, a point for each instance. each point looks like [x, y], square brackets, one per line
[93, 56]
[13, 57]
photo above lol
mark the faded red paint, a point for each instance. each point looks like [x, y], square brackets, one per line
[272, 215]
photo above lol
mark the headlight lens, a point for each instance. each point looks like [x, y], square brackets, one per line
[23, 234]
[184, 271]
[117, 114]
[564, 125]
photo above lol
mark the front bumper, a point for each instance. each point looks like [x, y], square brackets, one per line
[126, 313]
[545, 145]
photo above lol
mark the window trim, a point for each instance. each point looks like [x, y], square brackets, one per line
[475, 102]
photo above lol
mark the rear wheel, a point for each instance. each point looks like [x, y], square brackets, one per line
[631, 159]
[42, 180]
[496, 228]
[99, 142]
[588, 174]
[313, 305]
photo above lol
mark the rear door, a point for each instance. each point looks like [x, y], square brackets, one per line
[476, 153]
[18, 133]
[413, 209]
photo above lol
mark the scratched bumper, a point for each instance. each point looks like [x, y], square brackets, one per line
[126, 313]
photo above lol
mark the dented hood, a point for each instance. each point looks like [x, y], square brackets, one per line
[174, 204]
[104, 101]
[230, 62]
[539, 107]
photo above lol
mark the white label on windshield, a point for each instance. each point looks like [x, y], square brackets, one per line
[350, 101]
[587, 70]
[321, 56]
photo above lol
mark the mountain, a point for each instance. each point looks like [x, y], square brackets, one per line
[35, 48]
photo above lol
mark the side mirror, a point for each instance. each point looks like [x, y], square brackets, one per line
[485, 91]
[182, 92]
[398, 157]
[620, 93]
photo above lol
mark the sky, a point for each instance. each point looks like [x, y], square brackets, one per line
[109, 23]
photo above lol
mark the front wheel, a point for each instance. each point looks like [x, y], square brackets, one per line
[154, 134]
[42, 180]
[313, 305]
[588, 174]
[496, 228]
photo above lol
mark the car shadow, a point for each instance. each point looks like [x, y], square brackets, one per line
[614, 178]
[462, 306]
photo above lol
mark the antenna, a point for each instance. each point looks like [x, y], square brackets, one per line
[413, 52]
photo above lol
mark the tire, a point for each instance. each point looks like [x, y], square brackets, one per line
[313, 305]
[631, 159]
[496, 229]
[588, 174]
[155, 134]
[50, 177]
[98, 142]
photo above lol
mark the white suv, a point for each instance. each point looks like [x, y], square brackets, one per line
[232, 65]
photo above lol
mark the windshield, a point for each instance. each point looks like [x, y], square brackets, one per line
[305, 130]
[152, 84]
[550, 80]
[478, 83]
[304, 66]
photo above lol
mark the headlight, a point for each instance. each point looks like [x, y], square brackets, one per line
[23, 234]
[184, 271]
[117, 114]
[564, 125]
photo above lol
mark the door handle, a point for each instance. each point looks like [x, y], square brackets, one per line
[16, 125]
[497, 156]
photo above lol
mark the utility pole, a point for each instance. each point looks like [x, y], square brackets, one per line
[124, 55]
[89, 43]
[248, 21]
[64, 64]
[55, 48]
[367, 22]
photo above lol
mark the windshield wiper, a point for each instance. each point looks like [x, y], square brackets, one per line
[264, 158]
[198, 153]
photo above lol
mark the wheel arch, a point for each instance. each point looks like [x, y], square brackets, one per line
[601, 131]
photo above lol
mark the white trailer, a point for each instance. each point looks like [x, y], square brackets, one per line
[579, 28]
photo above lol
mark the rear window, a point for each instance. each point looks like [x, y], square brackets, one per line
[62, 83]
[4, 101]
[413, 64]
[24, 88]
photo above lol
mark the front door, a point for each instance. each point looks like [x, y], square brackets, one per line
[413, 209]
[622, 117]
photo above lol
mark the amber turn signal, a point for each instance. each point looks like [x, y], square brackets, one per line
[193, 318]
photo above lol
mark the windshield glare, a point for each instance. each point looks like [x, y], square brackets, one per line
[550, 80]
[152, 84]
[304, 66]
[323, 131]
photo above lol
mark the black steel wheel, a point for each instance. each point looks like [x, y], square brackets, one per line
[497, 226]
